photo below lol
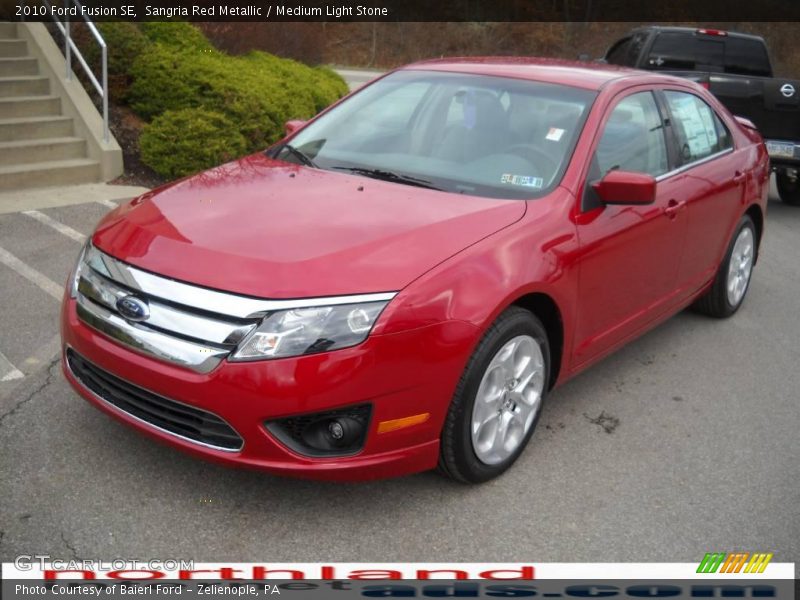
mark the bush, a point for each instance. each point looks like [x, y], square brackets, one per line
[322, 85]
[331, 78]
[258, 92]
[177, 35]
[166, 80]
[229, 105]
[182, 142]
[125, 43]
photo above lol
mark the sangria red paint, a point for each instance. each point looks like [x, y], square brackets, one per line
[441, 253]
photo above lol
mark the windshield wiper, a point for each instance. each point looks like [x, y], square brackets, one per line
[390, 176]
[299, 155]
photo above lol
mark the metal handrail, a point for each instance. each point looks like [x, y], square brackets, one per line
[70, 48]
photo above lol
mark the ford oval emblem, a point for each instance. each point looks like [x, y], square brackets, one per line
[787, 89]
[133, 308]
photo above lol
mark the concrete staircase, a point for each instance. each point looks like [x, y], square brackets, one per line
[39, 145]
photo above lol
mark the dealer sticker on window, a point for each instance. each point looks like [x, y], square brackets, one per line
[525, 180]
[554, 134]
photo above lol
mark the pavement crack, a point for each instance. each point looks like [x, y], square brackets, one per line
[70, 547]
[32, 394]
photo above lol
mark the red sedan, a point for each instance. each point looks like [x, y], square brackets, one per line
[401, 282]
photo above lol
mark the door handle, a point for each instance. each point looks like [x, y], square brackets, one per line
[739, 177]
[672, 208]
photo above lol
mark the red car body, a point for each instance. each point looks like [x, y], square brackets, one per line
[596, 278]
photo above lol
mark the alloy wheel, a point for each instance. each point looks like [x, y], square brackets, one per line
[508, 399]
[740, 266]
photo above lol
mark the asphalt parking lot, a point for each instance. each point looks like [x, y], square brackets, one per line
[684, 442]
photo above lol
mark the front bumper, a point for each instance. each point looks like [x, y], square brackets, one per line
[399, 374]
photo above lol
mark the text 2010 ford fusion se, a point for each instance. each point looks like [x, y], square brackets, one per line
[400, 282]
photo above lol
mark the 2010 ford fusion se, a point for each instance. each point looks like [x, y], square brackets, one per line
[399, 283]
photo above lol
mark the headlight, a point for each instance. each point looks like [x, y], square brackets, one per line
[76, 271]
[308, 330]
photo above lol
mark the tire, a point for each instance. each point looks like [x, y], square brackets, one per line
[788, 189]
[515, 339]
[730, 285]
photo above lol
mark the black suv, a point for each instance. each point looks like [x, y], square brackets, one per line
[736, 68]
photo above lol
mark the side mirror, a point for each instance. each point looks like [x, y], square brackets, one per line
[291, 126]
[626, 187]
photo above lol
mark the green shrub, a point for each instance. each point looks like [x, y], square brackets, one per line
[166, 80]
[177, 35]
[182, 142]
[321, 84]
[331, 78]
[258, 92]
[181, 81]
[125, 43]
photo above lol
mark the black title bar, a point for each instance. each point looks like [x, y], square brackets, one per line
[663, 11]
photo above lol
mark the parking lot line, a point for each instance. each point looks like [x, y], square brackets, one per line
[32, 275]
[8, 372]
[53, 224]
[107, 203]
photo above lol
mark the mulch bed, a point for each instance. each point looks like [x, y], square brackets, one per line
[126, 127]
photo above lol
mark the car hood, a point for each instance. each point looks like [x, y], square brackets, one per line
[272, 230]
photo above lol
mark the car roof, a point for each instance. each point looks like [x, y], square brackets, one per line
[693, 30]
[586, 75]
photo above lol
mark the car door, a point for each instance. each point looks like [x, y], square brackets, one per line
[629, 255]
[714, 184]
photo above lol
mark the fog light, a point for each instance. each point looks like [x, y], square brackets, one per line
[343, 431]
[335, 433]
[325, 435]
[336, 430]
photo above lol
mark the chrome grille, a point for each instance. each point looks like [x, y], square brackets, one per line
[187, 325]
[197, 335]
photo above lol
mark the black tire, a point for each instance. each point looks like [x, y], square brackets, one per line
[457, 458]
[788, 189]
[714, 302]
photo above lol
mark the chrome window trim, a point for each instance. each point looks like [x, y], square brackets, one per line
[696, 163]
[224, 303]
[148, 423]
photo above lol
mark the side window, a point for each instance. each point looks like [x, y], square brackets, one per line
[699, 130]
[747, 57]
[618, 55]
[637, 43]
[633, 138]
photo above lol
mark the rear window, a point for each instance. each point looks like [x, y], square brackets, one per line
[681, 51]
[746, 57]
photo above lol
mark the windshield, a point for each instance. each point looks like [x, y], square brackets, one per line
[469, 134]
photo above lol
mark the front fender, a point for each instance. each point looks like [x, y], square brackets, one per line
[535, 255]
